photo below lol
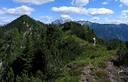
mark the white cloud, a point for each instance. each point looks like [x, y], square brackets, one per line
[68, 10]
[124, 15]
[66, 17]
[36, 2]
[81, 10]
[120, 5]
[124, 11]
[112, 21]
[5, 19]
[95, 19]
[46, 19]
[104, 3]
[123, 18]
[80, 2]
[99, 11]
[17, 11]
[125, 2]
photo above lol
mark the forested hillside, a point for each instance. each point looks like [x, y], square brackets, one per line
[31, 51]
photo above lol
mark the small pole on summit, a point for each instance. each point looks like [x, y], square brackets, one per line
[94, 41]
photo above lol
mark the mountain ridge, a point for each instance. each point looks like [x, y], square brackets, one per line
[106, 31]
[56, 53]
[24, 21]
[103, 31]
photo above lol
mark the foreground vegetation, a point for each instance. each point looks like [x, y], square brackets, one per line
[31, 51]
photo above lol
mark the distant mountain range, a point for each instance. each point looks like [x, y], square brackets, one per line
[61, 20]
[111, 31]
[104, 31]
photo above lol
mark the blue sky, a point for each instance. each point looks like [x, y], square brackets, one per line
[101, 11]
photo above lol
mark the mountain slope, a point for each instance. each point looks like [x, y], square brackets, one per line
[24, 21]
[105, 31]
[32, 51]
[108, 31]
[111, 31]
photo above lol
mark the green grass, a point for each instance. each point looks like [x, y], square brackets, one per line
[94, 56]
[69, 75]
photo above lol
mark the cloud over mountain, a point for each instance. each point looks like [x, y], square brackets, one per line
[36, 2]
[65, 16]
[80, 2]
[5, 20]
[17, 10]
[99, 11]
[125, 2]
[105, 3]
[81, 10]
